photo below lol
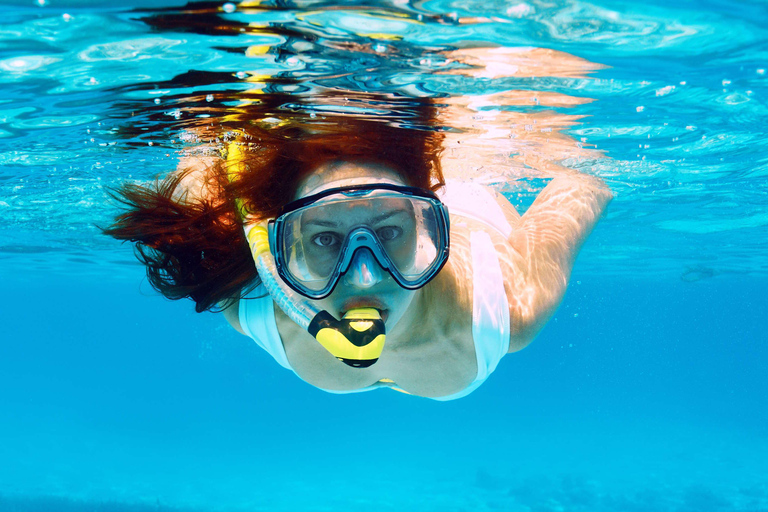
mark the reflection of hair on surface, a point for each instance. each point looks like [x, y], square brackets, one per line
[307, 23]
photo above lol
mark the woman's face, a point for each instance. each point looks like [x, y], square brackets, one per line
[366, 283]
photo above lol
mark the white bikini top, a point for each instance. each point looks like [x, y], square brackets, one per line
[490, 308]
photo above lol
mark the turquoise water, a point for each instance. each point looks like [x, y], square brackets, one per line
[646, 391]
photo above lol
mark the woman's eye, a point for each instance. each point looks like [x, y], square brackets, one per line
[388, 233]
[325, 239]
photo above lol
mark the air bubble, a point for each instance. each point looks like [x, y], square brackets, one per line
[67, 17]
[229, 7]
[157, 101]
[240, 74]
[209, 98]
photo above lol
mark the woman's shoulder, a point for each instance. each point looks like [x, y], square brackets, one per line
[196, 180]
[479, 203]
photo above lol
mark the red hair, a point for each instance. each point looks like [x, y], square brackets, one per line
[196, 248]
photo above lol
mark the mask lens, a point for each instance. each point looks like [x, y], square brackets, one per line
[310, 247]
[315, 241]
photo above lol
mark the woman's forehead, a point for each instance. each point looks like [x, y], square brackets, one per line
[343, 174]
[346, 211]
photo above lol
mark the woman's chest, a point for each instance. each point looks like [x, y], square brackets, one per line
[430, 360]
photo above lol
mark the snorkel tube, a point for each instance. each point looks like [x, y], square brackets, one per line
[357, 339]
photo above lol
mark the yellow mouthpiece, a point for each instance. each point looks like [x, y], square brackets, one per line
[357, 339]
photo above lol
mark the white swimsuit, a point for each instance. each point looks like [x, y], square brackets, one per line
[490, 309]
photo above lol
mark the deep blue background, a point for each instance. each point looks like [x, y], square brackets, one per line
[636, 385]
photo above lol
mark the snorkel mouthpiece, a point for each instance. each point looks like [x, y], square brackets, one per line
[357, 339]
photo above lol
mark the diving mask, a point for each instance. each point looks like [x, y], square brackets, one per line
[315, 238]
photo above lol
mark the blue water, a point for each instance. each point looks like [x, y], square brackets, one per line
[645, 392]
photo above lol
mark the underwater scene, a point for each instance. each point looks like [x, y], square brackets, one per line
[645, 392]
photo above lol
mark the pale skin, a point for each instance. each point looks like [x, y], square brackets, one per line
[430, 350]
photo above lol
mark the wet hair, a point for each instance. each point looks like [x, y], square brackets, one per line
[194, 247]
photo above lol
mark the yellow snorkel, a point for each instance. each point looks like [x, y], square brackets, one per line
[357, 339]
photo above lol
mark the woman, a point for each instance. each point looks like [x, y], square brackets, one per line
[360, 219]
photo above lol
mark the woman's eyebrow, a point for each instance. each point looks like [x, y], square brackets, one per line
[374, 220]
[386, 215]
[323, 223]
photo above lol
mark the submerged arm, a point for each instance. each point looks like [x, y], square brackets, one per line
[544, 246]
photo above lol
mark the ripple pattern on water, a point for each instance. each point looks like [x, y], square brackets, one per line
[650, 97]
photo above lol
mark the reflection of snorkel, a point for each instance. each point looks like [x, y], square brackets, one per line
[357, 339]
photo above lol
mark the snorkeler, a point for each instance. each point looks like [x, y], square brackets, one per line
[384, 274]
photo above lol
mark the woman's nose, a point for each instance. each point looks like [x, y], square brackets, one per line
[364, 271]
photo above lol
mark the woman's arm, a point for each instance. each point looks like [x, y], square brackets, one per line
[543, 248]
[538, 256]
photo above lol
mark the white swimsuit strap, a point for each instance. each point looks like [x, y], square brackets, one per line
[257, 319]
[490, 311]
[474, 201]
